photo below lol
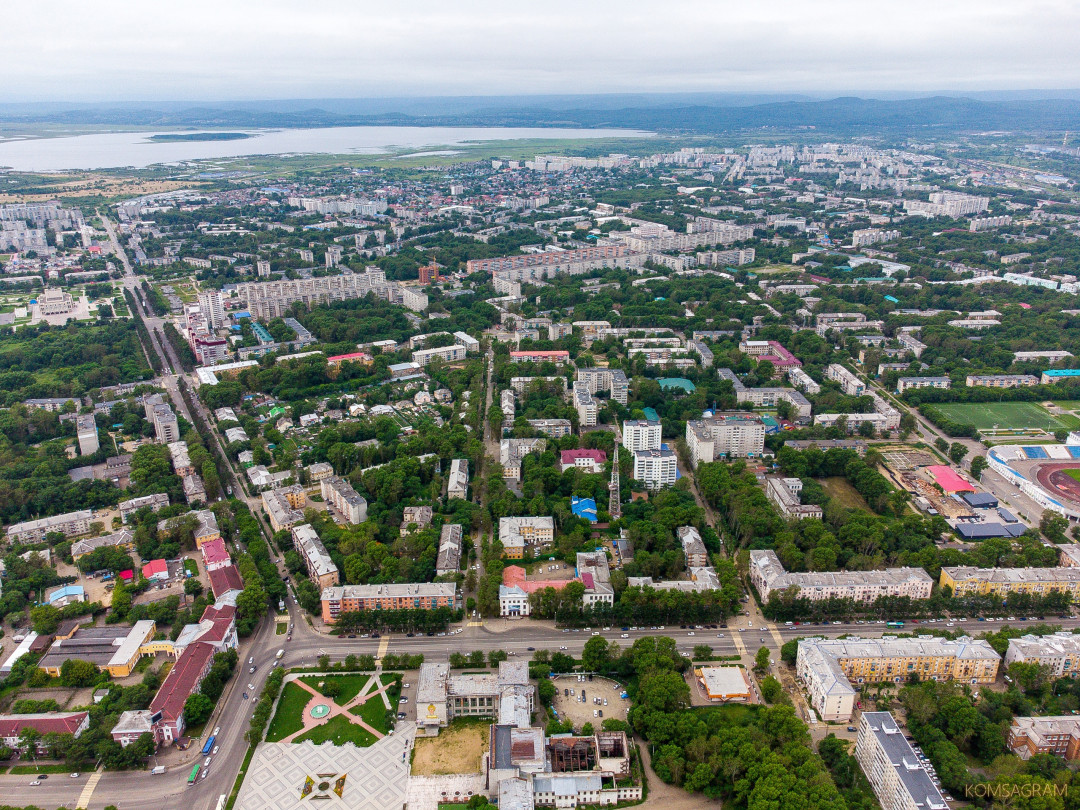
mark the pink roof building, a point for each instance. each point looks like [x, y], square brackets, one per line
[586, 459]
[948, 479]
[515, 575]
[156, 569]
[215, 555]
[127, 575]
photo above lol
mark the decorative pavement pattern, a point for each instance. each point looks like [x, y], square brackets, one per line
[300, 775]
[320, 709]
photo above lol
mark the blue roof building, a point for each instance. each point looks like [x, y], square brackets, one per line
[651, 414]
[583, 508]
[1053, 375]
[67, 594]
[677, 382]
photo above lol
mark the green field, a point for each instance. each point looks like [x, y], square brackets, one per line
[288, 719]
[1006, 416]
[339, 731]
[1073, 474]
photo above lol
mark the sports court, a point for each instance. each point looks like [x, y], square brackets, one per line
[1006, 416]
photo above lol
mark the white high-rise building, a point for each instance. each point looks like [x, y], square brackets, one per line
[655, 468]
[641, 434]
[212, 310]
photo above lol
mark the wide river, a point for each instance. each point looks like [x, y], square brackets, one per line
[135, 149]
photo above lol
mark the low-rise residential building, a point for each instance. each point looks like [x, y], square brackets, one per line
[86, 433]
[1000, 582]
[1058, 736]
[513, 451]
[768, 576]
[784, 492]
[447, 354]
[697, 556]
[828, 667]
[450, 541]
[732, 434]
[457, 483]
[907, 383]
[521, 534]
[345, 500]
[849, 383]
[803, 381]
[394, 596]
[555, 428]
[69, 524]
[1002, 380]
[656, 468]
[155, 503]
[415, 518]
[595, 574]
[123, 539]
[558, 356]
[321, 569]
[320, 471]
[284, 506]
[1058, 652]
[898, 777]
[770, 397]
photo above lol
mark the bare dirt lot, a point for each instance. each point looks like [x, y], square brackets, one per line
[459, 748]
[570, 706]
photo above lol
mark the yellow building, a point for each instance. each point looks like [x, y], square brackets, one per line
[111, 648]
[966, 581]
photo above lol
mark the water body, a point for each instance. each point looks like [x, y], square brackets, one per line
[136, 150]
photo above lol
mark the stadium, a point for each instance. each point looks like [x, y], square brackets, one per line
[1049, 474]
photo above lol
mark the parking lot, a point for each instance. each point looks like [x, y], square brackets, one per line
[571, 707]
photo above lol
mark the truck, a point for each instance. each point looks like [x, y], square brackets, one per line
[279, 653]
[157, 769]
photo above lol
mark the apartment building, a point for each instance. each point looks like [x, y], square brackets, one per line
[1059, 652]
[457, 482]
[555, 428]
[770, 350]
[520, 385]
[321, 569]
[585, 404]
[396, 596]
[1001, 380]
[348, 503]
[166, 427]
[697, 556]
[284, 506]
[770, 397]
[1056, 735]
[948, 204]
[155, 503]
[912, 343]
[967, 580]
[557, 356]
[272, 299]
[212, 310]
[803, 381]
[518, 534]
[508, 406]
[656, 468]
[123, 539]
[513, 451]
[907, 383]
[540, 266]
[880, 421]
[784, 493]
[68, 524]
[450, 542]
[599, 380]
[849, 383]
[87, 434]
[828, 667]
[898, 777]
[447, 354]
[769, 577]
[725, 435]
[415, 518]
[641, 434]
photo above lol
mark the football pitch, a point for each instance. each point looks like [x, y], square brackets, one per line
[1006, 416]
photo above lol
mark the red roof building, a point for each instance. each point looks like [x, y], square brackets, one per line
[215, 555]
[127, 575]
[356, 357]
[184, 678]
[515, 575]
[587, 460]
[12, 725]
[156, 569]
[225, 579]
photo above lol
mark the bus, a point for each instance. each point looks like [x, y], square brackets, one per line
[194, 775]
[894, 624]
[206, 749]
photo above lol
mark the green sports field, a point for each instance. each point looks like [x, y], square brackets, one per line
[1006, 416]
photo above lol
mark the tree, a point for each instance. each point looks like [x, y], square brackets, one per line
[957, 452]
[597, 654]
[978, 466]
[197, 709]
[121, 600]
[761, 660]
[1053, 526]
[771, 689]
[192, 586]
[76, 673]
[45, 619]
[546, 691]
[941, 444]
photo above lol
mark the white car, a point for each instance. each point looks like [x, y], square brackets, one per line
[404, 700]
[625, 635]
[214, 752]
[406, 685]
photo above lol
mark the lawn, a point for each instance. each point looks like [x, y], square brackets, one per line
[1073, 474]
[373, 712]
[843, 493]
[1006, 415]
[349, 685]
[281, 628]
[289, 716]
[339, 731]
[28, 769]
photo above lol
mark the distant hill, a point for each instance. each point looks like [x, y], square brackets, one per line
[686, 113]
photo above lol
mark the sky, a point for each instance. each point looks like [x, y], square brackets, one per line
[111, 50]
